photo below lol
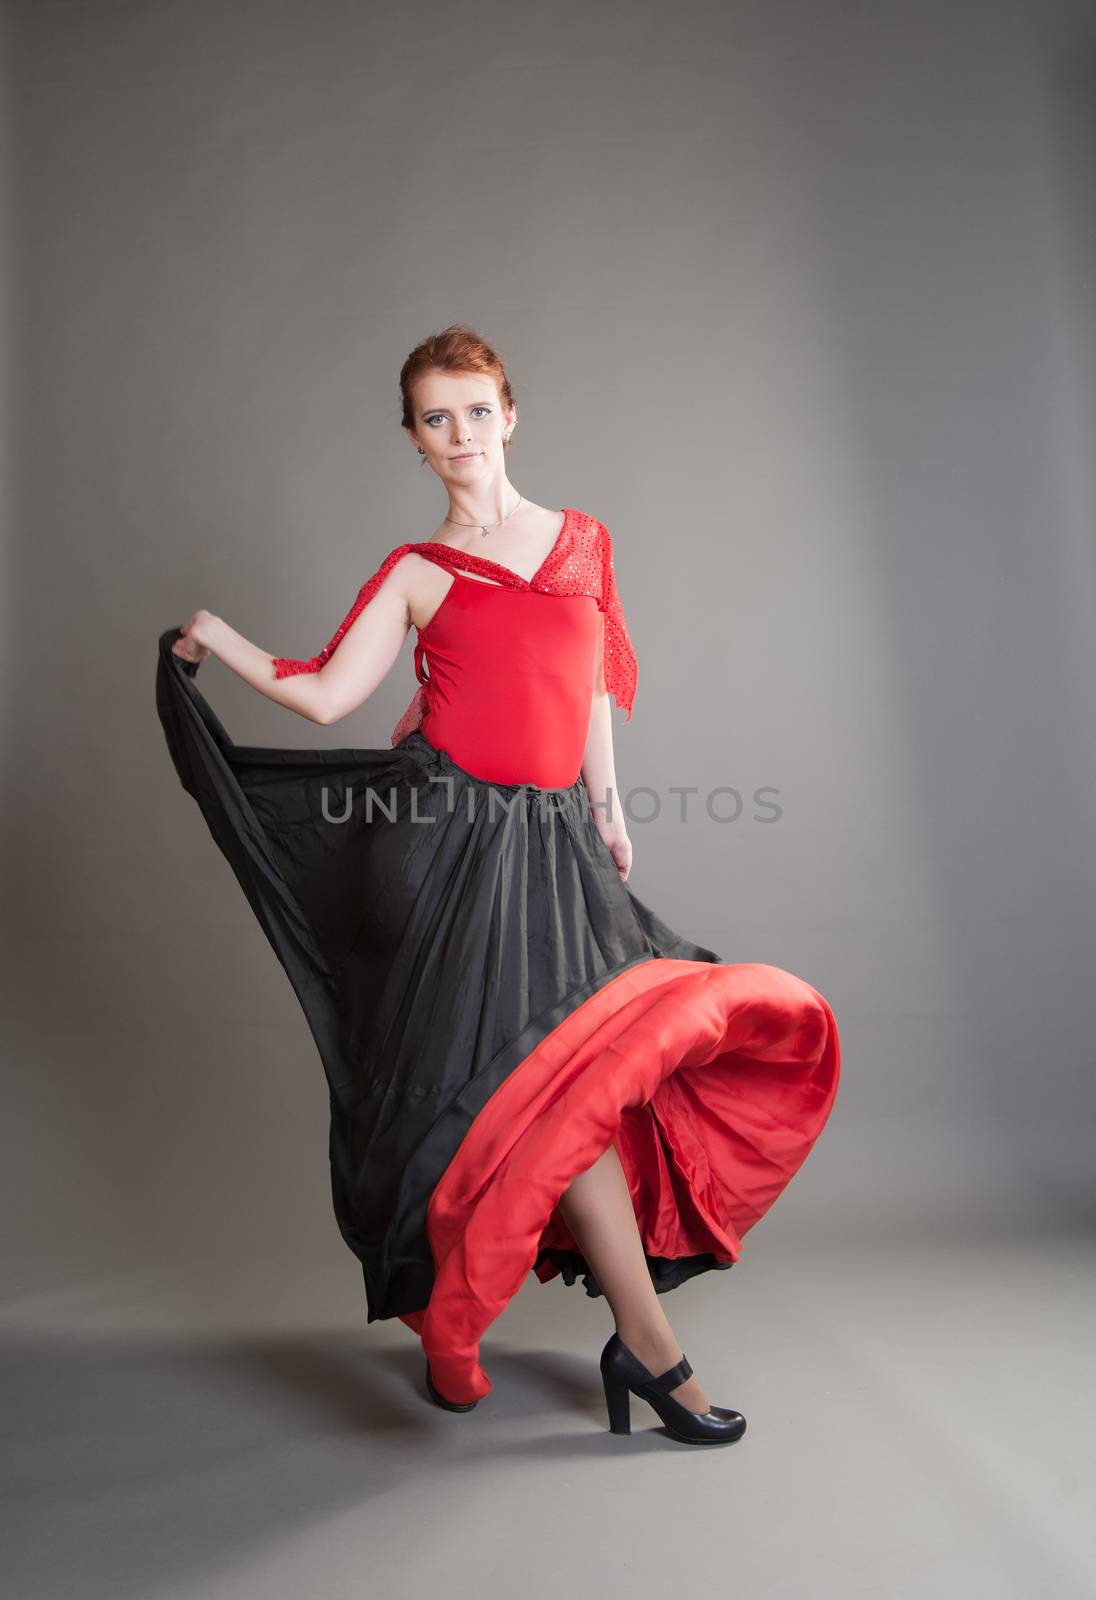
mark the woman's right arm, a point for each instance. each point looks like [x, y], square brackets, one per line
[366, 654]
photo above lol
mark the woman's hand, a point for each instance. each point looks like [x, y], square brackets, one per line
[618, 845]
[194, 645]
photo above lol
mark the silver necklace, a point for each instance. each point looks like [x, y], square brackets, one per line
[485, 531]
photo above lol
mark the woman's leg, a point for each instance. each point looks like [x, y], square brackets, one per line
[597, 1208]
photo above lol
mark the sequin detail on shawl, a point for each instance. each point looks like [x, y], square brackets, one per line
[581, 562]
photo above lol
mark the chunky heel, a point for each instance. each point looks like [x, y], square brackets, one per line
[618, 1400]
[623, 1374]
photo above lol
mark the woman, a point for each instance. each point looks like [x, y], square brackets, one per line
[527, 1068]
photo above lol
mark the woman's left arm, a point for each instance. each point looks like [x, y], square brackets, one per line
[599, 770]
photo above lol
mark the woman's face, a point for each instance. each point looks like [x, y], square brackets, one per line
[459, 422]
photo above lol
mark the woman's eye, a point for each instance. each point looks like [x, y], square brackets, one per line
[439, 416]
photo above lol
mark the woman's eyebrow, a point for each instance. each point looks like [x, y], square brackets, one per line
[432, 410]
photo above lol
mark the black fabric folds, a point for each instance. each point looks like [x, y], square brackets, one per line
[435, 928]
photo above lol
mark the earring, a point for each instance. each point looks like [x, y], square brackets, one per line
[422, 453]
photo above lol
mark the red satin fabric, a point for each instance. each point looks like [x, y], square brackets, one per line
[712, 1081]
[511, 681]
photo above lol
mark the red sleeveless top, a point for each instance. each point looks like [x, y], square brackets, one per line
[511, 662]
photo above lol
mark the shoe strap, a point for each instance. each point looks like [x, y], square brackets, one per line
[670, 1380]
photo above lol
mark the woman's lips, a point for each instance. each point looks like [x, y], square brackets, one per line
[470, 457]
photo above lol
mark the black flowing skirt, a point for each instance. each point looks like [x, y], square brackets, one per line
[492, 1007]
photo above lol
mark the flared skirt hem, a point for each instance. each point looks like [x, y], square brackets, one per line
[712, 1082]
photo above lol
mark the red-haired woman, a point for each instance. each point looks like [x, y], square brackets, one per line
[528, 1070]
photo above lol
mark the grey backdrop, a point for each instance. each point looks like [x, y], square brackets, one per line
[797, 298]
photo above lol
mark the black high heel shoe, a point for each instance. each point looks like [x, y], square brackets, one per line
[623, 1375]
[440, 1400]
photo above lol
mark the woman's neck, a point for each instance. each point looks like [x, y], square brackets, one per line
[493, 507]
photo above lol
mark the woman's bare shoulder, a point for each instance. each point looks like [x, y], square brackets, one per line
[421, 583]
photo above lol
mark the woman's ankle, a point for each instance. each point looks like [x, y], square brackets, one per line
[651, 1344]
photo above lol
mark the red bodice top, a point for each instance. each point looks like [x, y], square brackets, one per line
[511, 662]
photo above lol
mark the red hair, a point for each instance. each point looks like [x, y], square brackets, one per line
[457, 348]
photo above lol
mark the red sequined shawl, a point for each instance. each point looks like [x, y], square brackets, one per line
[580, 562]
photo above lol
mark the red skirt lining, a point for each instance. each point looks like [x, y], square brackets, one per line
[712, 1081]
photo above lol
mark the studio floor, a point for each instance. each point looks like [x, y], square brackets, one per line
[919, 1424]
